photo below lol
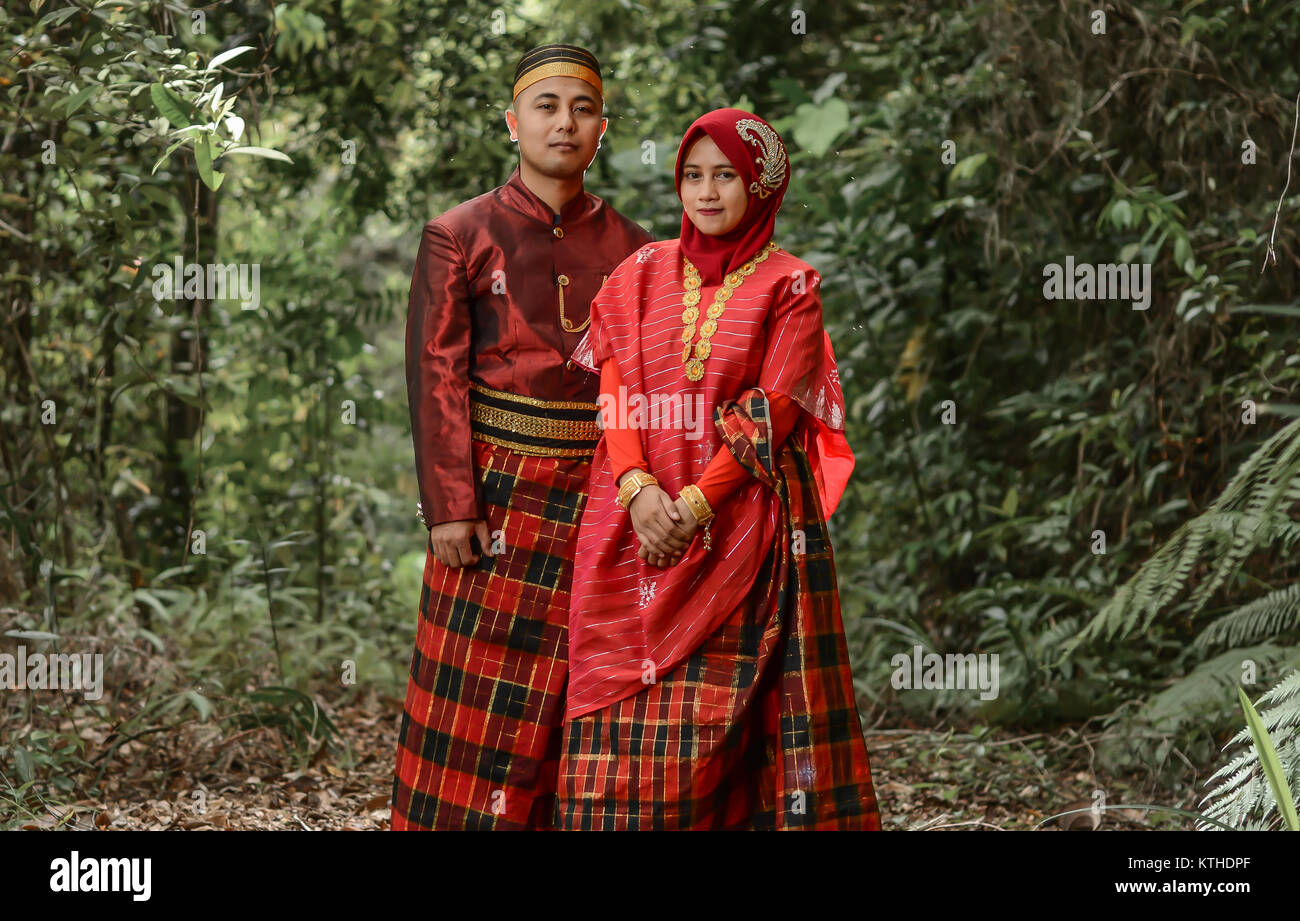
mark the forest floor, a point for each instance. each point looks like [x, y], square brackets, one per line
[200, 777]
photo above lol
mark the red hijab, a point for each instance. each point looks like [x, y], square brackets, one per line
[758, 154]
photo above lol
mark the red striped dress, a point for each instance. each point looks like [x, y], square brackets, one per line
[717, 692]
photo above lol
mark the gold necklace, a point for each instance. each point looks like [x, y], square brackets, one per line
[691, 299]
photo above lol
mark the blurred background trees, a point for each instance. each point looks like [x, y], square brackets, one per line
[221, 500]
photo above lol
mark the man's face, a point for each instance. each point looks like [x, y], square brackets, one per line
[558, 124]
[713, 192]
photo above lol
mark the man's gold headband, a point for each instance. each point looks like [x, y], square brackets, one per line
[557, 61]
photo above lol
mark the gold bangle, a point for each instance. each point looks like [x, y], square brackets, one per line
[633, 485]
[696, 502]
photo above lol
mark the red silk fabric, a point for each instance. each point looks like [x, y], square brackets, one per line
[622, 442]
[723, 475]
[483, 306]
[627, 618]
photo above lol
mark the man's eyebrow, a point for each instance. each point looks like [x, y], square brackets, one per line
[581, 98]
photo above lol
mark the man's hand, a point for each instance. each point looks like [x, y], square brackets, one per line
[664, 536]
[451, 542]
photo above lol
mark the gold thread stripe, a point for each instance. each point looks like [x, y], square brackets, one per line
[559, 69]
[534, 426]
[556, 50]
[532, 401]
[520, 447]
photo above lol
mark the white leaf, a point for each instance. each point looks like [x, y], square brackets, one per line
[227, 55]
[260, 152]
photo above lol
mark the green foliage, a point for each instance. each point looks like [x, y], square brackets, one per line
[1248, 516]
[1251, 514]
[1254, 792]
[941, 154]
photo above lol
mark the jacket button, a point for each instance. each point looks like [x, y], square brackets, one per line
[571, 365]
[559, 233]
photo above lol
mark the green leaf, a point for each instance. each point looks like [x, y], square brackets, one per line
[1011, 502]
[261, 152]
[164, 158]
[150, 599]
[203, 157]
[816, 127]
[23, 761]
[32, 634]
[791, 90]
[57, 17]
[201, 703]
[157, 196]
[1121, 214]
[227, 55]
[1269, 761]
[966, 167]
[154, 639]
[169, 105]
[1186, 298]
[884, 174]
[1281, 310]
[1280, 409]
[1086, 183]
[77, 100]
[831, 84]
[1182, 253]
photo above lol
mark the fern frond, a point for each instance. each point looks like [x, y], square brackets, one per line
[1264, 618]
[1202, 690]
[1248, 513]
[1243, 798]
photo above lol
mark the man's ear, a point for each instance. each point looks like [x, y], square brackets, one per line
[512, 122]
[604, 123]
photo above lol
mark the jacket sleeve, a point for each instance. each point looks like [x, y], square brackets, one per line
[438, 331]
[724, 474]
[623, 444]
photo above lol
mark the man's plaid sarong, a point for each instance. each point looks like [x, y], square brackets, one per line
[758, 728]
[480, 735]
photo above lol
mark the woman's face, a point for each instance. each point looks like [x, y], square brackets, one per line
[713, 192]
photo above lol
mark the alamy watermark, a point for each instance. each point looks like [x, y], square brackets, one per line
[1104, 281]
[933, 672]
[103, 874]
[658, 410]
[213, 281]
[53, 672]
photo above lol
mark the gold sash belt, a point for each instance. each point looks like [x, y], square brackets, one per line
[530, 426]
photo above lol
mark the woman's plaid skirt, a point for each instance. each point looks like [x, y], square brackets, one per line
[758, 728]
[480, 734]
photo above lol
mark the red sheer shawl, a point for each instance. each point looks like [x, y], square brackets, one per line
[628, 620]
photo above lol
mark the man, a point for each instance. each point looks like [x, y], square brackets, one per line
[504, 426]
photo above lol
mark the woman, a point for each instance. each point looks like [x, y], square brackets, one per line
[709, 682]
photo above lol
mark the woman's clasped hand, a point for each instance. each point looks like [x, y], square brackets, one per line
[665, 527]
